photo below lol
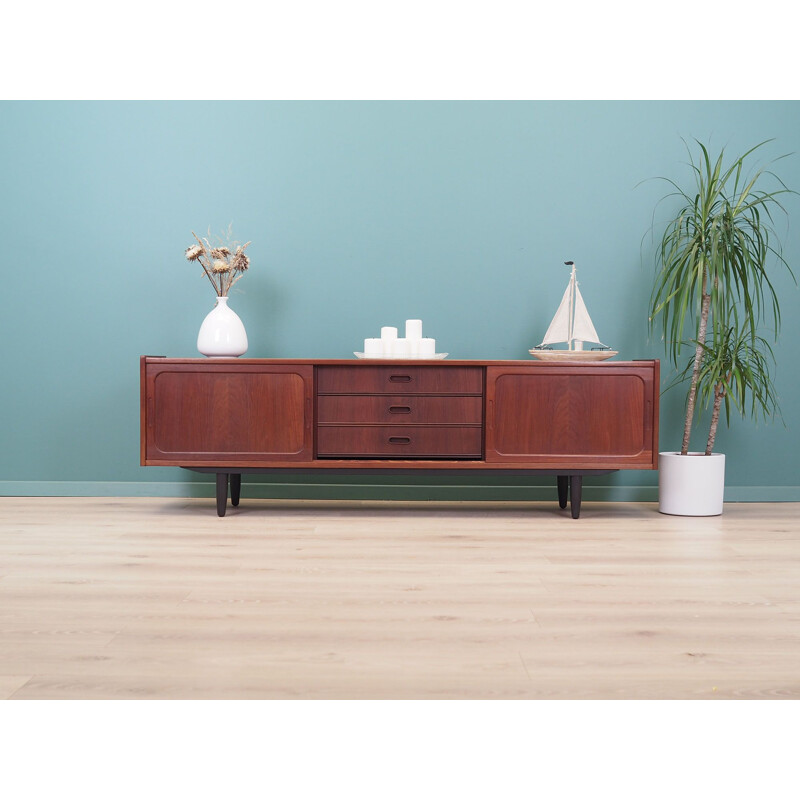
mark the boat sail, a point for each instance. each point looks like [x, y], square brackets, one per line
[571, 325]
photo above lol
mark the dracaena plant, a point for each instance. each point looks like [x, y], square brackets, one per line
[713, 288]
[734, 373]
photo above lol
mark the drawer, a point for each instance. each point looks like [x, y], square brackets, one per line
[399, 379]
[390, 409]
[396, 441]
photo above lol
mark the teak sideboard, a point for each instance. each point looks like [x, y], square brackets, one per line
[231, 416]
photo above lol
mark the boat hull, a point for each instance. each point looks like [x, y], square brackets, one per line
[573, 355]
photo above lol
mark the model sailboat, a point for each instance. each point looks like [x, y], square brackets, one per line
[572, 326]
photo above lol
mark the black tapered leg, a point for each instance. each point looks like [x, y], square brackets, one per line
[575, 486]
[222, 493]
[236, 487]
[563, 488]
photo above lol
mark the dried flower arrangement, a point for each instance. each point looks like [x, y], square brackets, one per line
[223, 263]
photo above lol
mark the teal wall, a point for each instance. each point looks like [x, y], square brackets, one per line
[360, 214]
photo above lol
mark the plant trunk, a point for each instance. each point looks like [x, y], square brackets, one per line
[712, 433]
[698, 358]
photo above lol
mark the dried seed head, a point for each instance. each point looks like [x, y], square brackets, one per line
[240, 262]
[194, 252]
[220, 266]
[220, 252]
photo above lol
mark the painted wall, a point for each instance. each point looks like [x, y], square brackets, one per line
[361, 214]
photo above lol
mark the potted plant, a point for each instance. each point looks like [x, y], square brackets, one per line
[712, 293]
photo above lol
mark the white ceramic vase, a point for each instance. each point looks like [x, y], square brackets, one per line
[692, 485]
[222, 334]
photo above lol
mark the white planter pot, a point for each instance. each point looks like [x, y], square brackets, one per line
[222, 334]
[692, 485]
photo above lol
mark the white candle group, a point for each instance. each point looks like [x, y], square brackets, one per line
[390, 345]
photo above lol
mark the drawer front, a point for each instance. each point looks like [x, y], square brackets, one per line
[399, 409]
[399, 379]
[400, 442]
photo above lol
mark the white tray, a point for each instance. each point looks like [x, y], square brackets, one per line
[435, 357]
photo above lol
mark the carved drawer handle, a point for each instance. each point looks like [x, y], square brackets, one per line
[400, 378]
[399, 440]
[399, 409]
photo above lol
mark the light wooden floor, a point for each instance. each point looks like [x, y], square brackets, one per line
[159, 598]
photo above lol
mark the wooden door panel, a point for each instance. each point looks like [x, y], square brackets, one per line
[229, 413]
[575, 415]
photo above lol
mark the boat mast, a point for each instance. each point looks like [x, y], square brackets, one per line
[571, 303]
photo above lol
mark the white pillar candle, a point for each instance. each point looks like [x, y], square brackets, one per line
[427, 348]
[400, 348]
[413, 347]
[413, 329]
[388, 333]
[373, 347]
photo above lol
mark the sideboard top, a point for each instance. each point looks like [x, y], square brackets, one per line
[397, 361]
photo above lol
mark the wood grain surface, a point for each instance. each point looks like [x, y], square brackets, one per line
[399, 378]
[572, 414]
[399, 441]
[399, 409]
[158, 598]
[196, 414]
